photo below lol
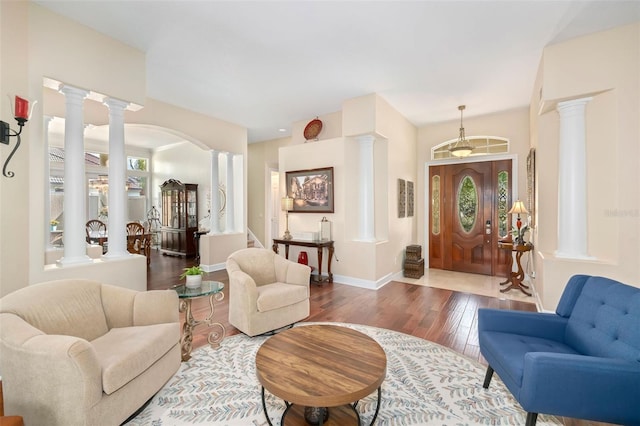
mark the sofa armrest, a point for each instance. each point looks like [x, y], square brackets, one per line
[65, 375]
[574, 385]
[298, 274]
[155, 307]
[537, 324]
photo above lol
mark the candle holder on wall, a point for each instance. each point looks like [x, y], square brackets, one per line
[22, 114]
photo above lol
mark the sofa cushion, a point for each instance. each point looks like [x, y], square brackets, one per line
[124, 353]
[277, 295]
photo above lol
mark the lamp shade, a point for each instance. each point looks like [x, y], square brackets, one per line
[286, 203]
[519, 208]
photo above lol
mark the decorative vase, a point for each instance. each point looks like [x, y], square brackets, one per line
[54, 227]
[194, 281]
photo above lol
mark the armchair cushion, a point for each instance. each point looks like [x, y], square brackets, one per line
[76, 311]
[278, 295]
[124, 353]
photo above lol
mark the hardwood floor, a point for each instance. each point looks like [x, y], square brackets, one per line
[443, 316]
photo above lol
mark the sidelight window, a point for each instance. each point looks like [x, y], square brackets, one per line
[435, 205]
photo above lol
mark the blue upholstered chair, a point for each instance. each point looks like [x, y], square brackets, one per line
[581, 362]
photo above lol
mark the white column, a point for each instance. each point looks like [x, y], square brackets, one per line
[366, 208]
[75, 185]
[230, 213]
[117, 202]
[214, 215]
[47, 184]
[572, 180]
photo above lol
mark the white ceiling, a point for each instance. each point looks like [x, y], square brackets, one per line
[265, 64]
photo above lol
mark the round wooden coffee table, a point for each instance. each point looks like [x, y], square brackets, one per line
[321, 366]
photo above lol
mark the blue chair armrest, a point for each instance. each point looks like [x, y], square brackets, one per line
[536, 324]
[601, 389]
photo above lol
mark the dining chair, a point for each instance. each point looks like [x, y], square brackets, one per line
[96, 231]
[138, 240]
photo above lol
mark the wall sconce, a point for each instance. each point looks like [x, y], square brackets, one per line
[22, 114]
[286, 204]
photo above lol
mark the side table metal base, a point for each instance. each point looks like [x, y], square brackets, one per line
[190, 323]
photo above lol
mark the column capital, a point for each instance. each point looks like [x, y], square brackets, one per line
[573, 103]
[366, 139]
[73, 92]
[115, 104]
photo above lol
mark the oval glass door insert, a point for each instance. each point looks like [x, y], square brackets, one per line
[467, 203]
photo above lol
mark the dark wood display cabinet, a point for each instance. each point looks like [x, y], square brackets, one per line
[179, 217]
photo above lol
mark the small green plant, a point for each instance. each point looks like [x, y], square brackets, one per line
[54, 222]
[194, 270]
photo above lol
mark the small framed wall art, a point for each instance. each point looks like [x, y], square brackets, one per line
[402, 197]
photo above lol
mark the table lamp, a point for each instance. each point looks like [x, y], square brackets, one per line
[286, 203]
[518, 208]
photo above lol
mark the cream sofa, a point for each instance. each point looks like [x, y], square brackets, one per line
[266, 291]
[78, 352]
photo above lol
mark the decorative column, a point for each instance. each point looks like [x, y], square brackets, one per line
[366, 207]
[116, 228]
[230, 213]
[572, 180]
[47, 184]
[214, 218]
[75, 187]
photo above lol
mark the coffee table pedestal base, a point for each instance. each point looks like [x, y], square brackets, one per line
[296, 415]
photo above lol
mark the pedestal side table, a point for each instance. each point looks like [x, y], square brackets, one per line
[515, 278]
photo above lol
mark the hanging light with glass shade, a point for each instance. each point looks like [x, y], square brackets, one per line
[462, 147]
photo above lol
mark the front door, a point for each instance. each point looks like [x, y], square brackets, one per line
[468, 215]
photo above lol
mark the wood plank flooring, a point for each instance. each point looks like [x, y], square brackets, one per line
[443, 316]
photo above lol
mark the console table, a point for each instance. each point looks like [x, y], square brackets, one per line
[319, 245]
[515, 278]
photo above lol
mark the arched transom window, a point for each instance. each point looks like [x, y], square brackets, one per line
[482, 145]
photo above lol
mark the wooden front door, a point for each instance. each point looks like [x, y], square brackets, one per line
[468, 215]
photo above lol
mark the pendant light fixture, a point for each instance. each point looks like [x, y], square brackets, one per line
[462, 147]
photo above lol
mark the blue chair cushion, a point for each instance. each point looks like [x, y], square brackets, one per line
[505, 353]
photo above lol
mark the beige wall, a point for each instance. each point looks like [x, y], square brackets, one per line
[368, 264]
[605, 66]
[35, 43]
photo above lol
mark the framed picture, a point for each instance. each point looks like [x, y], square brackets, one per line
[311, 190]
[409, 199]
[531, 184]
[402, 197]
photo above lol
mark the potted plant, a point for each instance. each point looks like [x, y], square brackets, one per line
[54, 224]
[193, 276]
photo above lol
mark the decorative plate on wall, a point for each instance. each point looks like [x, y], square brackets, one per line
[313, 128]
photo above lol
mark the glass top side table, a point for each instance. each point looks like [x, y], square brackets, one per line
[213, 289]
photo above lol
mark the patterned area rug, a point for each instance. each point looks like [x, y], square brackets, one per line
[426, 384]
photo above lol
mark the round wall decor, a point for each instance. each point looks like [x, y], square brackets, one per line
[313, 128]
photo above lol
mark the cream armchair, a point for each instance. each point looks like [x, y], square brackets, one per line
[266, 291]
[77, 352]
